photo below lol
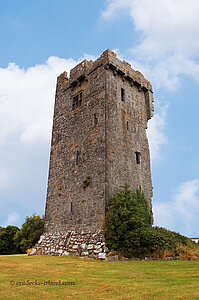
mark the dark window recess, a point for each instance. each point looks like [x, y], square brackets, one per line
[77, 101]
[95, 119]
[73, 106]
[71, 207]
[122, 94]
[80, 99]
[77, 158]
[127, 125]
[138, 157]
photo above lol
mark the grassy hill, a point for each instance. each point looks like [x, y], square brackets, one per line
[83, 278]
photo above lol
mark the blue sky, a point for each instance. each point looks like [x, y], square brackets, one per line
[40, 39]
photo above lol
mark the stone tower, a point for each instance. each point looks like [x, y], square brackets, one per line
[98, 143]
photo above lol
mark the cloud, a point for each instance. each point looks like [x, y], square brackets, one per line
[26, 100]
[12, 219]
[113, 8]
[168, 32]
[26, 113]
[156, 133]
[180, 213]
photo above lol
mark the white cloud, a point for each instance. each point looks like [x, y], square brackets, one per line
[168, 30]
[113, 7]
[26, 113]
[12, 219]
[156, 134]
[26, 100]
[180, 213]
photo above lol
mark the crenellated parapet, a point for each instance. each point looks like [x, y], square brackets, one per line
[120, 68]
[136, 78]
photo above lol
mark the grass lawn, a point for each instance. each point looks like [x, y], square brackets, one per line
[96, 279]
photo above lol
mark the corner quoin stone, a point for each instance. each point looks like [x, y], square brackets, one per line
[98, 143]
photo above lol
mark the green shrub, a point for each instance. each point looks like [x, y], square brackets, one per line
[126, 218]
[7, 244]
[29, 233]
[128, 228]
[156, 241]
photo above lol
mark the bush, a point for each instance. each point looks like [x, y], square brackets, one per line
[127, 217]
[128, 229]
[7, 244]
[29, 233]
[157, 241]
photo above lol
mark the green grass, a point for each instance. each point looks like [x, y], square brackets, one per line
[97, 279]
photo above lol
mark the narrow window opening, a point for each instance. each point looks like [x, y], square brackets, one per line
[122, 94]
[71, 207]
[95, 119]
[80, 99]
[127, 125]
[73, 103]
[138, 158]
[77, 101]
[77, 158]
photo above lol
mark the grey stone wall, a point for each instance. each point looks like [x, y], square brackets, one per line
[95, 142]
[126, 123]
[69, 205]
[72, 243]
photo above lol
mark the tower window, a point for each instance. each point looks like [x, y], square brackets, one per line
[138, 157]
[71, 207]
[77, 157]
[80, 99]
[127, 125]
[95, 119]
[77, 101]
[122, 95]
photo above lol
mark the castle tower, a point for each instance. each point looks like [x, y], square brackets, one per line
[98, 143]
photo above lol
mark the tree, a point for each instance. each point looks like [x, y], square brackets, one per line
[7, 244]
[126, 218]
[30, 232]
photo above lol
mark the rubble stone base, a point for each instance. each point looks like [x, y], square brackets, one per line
[71, 243]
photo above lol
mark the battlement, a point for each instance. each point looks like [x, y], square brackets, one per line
[124, 69]
[109, 60]
[62, 80]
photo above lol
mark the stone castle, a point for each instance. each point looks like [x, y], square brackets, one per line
[98, 143]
